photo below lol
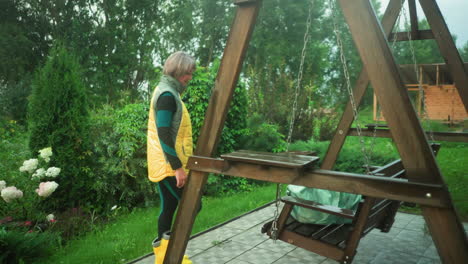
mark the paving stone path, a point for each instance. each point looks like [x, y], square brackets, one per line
[241, 242]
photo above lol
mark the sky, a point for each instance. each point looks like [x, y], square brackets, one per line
[454, 12]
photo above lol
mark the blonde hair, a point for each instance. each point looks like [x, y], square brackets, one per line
[178, 64]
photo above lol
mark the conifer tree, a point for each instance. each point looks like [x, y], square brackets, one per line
[57, 117]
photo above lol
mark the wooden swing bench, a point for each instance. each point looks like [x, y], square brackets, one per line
[335, 241]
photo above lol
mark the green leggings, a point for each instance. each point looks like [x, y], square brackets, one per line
[170, 196]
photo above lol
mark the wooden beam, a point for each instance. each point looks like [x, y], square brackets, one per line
[372, 186]
[326, 250]
[439, 136]
[360, 224]
[225, 84]
[419, 35]
[406, 130]
[447, 47]
[427, 77]
[413, 18]
[388, 21]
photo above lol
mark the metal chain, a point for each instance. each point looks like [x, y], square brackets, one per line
[299, 77]
[274, 225]
[348, 86]
[425, 116]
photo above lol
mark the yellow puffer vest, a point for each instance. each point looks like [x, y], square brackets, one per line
[181, 130]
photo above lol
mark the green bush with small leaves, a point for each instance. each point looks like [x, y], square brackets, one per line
[196, 99]
[119, 145]
[261, 136]
[20, 247]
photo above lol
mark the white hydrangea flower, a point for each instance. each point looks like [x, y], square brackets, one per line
[39, 173]
[45, 153]
[29, 165]
[2, 185]
[52, 172]
[10, 193]
[46, 188]
[50, 217]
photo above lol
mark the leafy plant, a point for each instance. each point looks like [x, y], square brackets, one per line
[20, 247]
[196, 99]
[261, 136]
[40, 180]
[119, 142]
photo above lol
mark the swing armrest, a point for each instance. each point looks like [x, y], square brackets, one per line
[346, 213]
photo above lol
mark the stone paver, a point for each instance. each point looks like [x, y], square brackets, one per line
[241, 242]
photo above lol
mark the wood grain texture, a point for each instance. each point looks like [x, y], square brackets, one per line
[286, 160]
[373, 186]
[406, 130]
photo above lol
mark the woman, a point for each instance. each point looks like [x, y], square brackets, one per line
[170, 136]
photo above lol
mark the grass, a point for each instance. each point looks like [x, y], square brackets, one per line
[130, 235]
[453, 163]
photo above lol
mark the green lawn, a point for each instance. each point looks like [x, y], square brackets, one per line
[453, 163]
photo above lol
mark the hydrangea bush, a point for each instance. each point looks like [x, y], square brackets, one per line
[22, 199]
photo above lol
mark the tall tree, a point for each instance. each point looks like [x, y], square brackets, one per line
[214, 19]
[21, 51]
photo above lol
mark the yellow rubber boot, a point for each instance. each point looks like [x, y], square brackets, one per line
[160, 250]
[186, 260]
[157, 250]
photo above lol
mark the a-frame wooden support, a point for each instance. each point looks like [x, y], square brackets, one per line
[416, 155]
[418, 160]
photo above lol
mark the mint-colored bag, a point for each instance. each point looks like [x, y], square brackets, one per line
[325, 197]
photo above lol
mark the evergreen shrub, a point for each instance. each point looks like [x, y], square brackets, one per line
[20, 247]
[58, 117]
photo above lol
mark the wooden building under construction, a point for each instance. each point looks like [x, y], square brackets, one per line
[435, 93]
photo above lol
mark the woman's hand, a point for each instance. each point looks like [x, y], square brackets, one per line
[181, 177]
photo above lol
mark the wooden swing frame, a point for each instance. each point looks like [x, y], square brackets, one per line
[425, 185]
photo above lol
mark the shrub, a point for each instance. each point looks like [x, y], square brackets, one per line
[119, 143]
[35, 187]
[196, 99]
[260, 136]
[20, 247]
[351, 159]
[57, 117]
